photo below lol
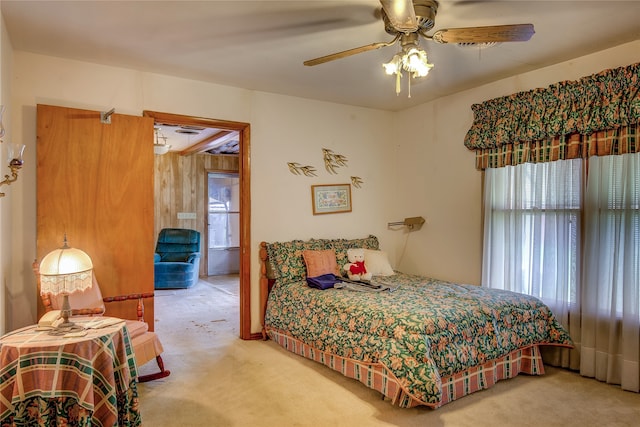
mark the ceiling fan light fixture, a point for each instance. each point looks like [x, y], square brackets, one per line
[413, 60]
[160, 148]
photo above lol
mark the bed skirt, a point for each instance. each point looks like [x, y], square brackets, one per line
[376, 376]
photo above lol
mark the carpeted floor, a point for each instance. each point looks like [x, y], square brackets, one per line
[219, 380]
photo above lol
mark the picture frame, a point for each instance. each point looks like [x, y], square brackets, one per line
[331, 198]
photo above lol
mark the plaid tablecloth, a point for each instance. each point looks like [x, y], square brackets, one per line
[83, 381]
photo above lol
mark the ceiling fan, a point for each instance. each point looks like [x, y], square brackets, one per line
[409, 20]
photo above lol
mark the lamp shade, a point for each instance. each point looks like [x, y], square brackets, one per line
[65, 270]
[161, 149]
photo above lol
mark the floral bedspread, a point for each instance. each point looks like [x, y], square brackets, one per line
[423, 331]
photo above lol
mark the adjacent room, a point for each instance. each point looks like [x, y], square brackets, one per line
[328, 212]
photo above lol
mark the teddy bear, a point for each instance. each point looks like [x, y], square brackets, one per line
[356, 269]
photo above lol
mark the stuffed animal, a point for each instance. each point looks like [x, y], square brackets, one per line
[356, 269]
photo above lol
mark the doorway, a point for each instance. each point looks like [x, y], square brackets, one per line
[244, 175]
[223, 226]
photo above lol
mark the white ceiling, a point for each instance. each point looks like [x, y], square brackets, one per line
[260, 45]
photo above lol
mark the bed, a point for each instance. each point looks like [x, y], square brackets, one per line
[421, 342]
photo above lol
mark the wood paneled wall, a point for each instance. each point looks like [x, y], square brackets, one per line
[180, 185]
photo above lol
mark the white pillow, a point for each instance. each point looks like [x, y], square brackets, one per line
[377, 263]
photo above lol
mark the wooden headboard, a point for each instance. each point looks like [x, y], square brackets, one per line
[265, 285]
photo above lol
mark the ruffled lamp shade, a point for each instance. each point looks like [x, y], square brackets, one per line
[63, 272]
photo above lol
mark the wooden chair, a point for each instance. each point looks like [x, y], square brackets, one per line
[146, 344]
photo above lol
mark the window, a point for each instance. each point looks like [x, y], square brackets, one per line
[532, 224]
[532, 245]
[612, 245]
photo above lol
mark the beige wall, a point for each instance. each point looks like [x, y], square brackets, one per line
[5, 262]
[412, 162]
[10, 239]
[438, 180]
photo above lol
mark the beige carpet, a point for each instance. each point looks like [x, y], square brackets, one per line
[219, 380]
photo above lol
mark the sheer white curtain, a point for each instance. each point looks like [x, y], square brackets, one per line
[611, 294]
[532, 238]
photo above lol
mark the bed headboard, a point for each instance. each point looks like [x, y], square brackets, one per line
[283, 261]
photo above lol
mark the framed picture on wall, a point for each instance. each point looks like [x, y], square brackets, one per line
[333, 198]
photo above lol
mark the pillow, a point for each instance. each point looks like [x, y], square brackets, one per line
[285, 259]
[285, 262]
[377, 263]
[320, 262]
[340, 246]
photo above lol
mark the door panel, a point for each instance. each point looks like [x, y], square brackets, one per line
[95, 183]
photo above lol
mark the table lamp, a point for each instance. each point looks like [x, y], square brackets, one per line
[63, 272]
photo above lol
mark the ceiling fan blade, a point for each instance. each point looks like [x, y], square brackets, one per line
[349, 52]
[401, 14]
[495, 33]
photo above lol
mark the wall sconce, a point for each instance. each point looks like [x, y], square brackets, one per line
[410, 223]
[14, 153]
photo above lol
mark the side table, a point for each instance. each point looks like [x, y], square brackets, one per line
[58, 380]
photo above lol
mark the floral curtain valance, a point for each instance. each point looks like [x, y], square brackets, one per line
[607, 100]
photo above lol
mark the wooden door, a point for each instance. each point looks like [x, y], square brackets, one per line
[95, 184]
